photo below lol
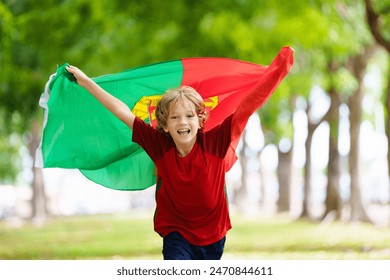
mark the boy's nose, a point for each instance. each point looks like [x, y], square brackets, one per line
[183, 120]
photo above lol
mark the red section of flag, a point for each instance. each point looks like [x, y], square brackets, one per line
[238, 85]
[229, 79]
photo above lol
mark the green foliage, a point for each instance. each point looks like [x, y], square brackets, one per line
[10, 145]
[382, 8]
[9, 158]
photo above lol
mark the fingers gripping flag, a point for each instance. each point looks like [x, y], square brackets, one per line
[78, 132]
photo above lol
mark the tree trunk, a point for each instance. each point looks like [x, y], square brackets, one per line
[242, 193]
[262, 181]
[333, 200]
[307, 185]
[284, 172]
[373, 21]
[388, 122]
[358, 67]
[38, 199]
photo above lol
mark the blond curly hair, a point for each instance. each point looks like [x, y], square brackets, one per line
[172, 96]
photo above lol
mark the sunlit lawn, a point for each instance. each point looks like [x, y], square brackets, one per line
[132, 237]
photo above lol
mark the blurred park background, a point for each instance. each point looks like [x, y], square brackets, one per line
[312, 179]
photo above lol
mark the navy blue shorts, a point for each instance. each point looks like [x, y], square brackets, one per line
[175, 247]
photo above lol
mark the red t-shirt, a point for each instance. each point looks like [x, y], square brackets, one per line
[190, 191]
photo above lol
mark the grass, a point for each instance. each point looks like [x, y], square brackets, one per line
[132, 237]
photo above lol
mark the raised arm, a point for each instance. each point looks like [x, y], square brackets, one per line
[275, 73]
[113, 104]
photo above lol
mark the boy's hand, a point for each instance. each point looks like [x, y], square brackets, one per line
[81, 78]
[113, 104]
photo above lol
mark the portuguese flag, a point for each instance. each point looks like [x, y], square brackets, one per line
[79, 133]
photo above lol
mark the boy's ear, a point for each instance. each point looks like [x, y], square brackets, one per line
[166, 129]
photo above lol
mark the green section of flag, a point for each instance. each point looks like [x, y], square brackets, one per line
[80, 133]
[133, 172]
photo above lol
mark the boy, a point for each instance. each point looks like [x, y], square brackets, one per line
[191, 204]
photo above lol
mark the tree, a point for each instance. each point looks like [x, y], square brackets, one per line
[378, 20]
[312, 125]
[241, 195]
[333, 198]
[8, 147]
[25, 63]
[352, 47]
[357, 65]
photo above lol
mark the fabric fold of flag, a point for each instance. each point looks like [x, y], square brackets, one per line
[79, 133]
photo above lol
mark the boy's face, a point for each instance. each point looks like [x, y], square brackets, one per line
[182, 124]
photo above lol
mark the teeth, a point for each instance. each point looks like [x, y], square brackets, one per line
[183, 131]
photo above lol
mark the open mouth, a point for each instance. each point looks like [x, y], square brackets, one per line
[185, 131]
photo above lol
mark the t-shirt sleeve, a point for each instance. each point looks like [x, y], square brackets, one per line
[151, 140]
[217, 140]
